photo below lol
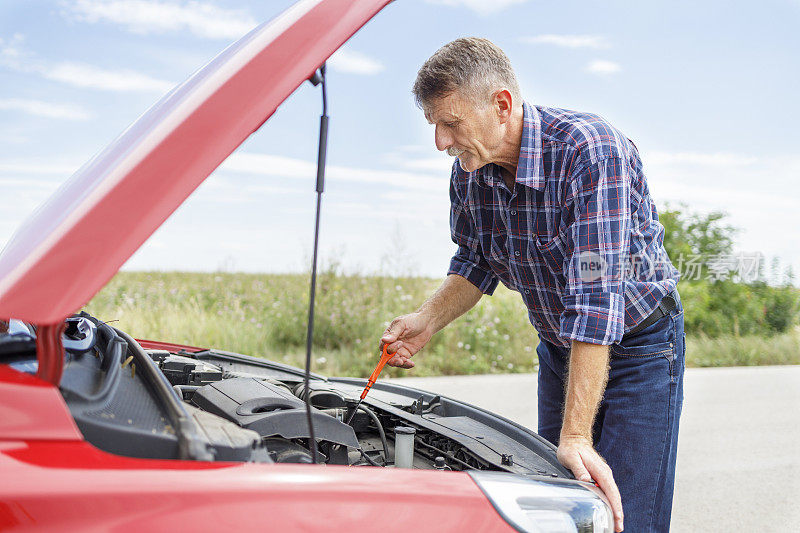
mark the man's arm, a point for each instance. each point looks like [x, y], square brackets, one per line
[454, 297]
[407, 334]
[594, 308]
[588, 374]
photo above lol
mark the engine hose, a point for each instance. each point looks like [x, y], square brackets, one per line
[368, 458]
[381, 432]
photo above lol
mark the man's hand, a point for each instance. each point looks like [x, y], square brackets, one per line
[406, 335]
[577, 454]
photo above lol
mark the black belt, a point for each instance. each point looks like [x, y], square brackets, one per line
[667, 304]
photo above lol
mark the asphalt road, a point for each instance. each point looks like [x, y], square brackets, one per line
[738, 448]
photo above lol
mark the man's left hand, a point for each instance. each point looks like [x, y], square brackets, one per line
[578, 454]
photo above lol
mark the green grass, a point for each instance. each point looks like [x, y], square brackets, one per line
[751, 350]
[265, 315]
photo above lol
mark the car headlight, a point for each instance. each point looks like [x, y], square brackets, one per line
[546, 505]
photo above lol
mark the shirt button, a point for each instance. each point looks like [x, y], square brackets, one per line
[513, 212]
[527, 291]
[516, 253]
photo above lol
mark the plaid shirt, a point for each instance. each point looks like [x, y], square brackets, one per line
[578, 236]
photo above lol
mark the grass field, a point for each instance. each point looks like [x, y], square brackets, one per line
[266, 314]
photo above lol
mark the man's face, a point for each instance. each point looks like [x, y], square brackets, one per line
[469, 131]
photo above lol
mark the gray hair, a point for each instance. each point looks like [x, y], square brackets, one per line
[472, 66]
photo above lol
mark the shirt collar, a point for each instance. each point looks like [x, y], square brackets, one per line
[530, 167]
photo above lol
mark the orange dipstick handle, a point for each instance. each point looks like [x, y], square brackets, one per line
[385, 356]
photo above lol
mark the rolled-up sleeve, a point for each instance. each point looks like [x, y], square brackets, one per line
[468, 261]
[598, 246]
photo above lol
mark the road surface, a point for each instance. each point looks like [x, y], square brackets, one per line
[738, 449]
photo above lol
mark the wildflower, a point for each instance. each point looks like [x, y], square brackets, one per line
[467, 346]
[473, 357]
[510, 366]
[460, 344]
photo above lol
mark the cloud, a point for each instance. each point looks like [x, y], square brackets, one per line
[203, 19]
[280, 166]
[14, 57]
[603, 67]
[26, 167]
[440, 165]
[276, 165]
[89, 76]
[757, 192]
[44, 109]
[350, 61]
[715, 159]
[5, 183]
[13, 137]
[10, 52]
[481, 7]
[419, 158]
[568, 41]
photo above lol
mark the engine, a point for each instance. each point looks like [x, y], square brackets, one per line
[276, 410]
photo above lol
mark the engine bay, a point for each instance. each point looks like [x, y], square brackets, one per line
[212, 405]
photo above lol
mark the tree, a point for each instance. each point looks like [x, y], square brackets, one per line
[719, 304]
[695, 237]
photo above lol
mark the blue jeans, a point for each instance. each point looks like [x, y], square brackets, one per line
[636, 429]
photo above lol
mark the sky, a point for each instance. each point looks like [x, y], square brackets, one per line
[706, 90]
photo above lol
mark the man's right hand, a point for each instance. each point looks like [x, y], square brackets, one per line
[406, 335]
[577, 453]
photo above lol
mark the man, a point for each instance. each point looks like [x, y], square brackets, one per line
[554, 204]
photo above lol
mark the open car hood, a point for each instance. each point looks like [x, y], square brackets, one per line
[75, 242]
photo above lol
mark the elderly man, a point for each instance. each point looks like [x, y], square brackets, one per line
[555, 204]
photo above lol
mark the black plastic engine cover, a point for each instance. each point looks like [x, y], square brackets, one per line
[270, 410]
[186, 371]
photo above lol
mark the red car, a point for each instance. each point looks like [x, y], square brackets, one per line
[99, 431]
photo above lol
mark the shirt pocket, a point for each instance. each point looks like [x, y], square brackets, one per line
[552, 253]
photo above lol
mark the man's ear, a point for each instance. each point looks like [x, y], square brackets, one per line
[503, 104]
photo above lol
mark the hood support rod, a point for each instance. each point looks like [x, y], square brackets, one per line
[317, 78]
